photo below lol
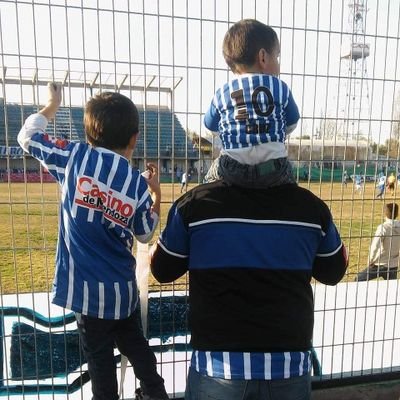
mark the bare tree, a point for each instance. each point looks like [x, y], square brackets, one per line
[395, 134]
[329, 128]
[393, 147]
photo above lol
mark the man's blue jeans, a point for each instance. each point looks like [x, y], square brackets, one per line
[200, 387]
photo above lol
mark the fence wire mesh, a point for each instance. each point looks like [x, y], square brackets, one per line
[340, 59]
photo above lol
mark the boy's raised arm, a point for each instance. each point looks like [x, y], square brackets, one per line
[38, 122]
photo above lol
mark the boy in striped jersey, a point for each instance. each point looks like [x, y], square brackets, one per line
[105, 205]
[253, 112]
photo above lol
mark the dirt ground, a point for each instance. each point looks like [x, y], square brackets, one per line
[376, 391]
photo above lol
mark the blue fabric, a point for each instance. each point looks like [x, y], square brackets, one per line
[330, 242]
[234, 239]
[236, 244]
[218, 363]
[237, 360]
[175, 236]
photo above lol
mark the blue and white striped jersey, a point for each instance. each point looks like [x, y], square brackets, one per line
[105, 204]
[251, 365]
[253, 109]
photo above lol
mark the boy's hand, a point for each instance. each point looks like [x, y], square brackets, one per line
[151, 176]
[54, 100]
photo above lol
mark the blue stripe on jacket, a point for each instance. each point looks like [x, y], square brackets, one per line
[295, 252]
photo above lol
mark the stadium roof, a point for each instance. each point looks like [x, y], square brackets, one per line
[89, 80]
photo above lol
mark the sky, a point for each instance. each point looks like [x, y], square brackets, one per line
[182, 39]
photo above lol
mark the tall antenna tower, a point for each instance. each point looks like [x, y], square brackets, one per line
[354, 62]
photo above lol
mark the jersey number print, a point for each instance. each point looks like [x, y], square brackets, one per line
[242, 113]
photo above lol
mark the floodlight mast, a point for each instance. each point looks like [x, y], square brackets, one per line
[354, 58]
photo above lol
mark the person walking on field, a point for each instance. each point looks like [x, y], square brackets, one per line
[381, 187]
[383, 260]
[345, 178]
[105, 205]
[391, 181]
[359, 184]
[184, 182]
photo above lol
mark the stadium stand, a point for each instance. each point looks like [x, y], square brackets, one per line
[161, 133]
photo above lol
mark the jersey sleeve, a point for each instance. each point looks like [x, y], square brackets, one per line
[170, 258]
[292, 111]
[53, 153]
[145, 220]
[331, 261]
[212, 117]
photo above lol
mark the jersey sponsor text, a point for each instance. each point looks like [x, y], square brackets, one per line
[89, 194]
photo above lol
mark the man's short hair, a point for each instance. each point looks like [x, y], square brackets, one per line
[391, 210]
[244, 40]
[110, 120]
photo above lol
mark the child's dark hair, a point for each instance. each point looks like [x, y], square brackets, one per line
[111, 119]
[391, 210]
[244, 40]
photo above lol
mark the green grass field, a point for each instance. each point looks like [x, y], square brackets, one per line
[28, 230]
